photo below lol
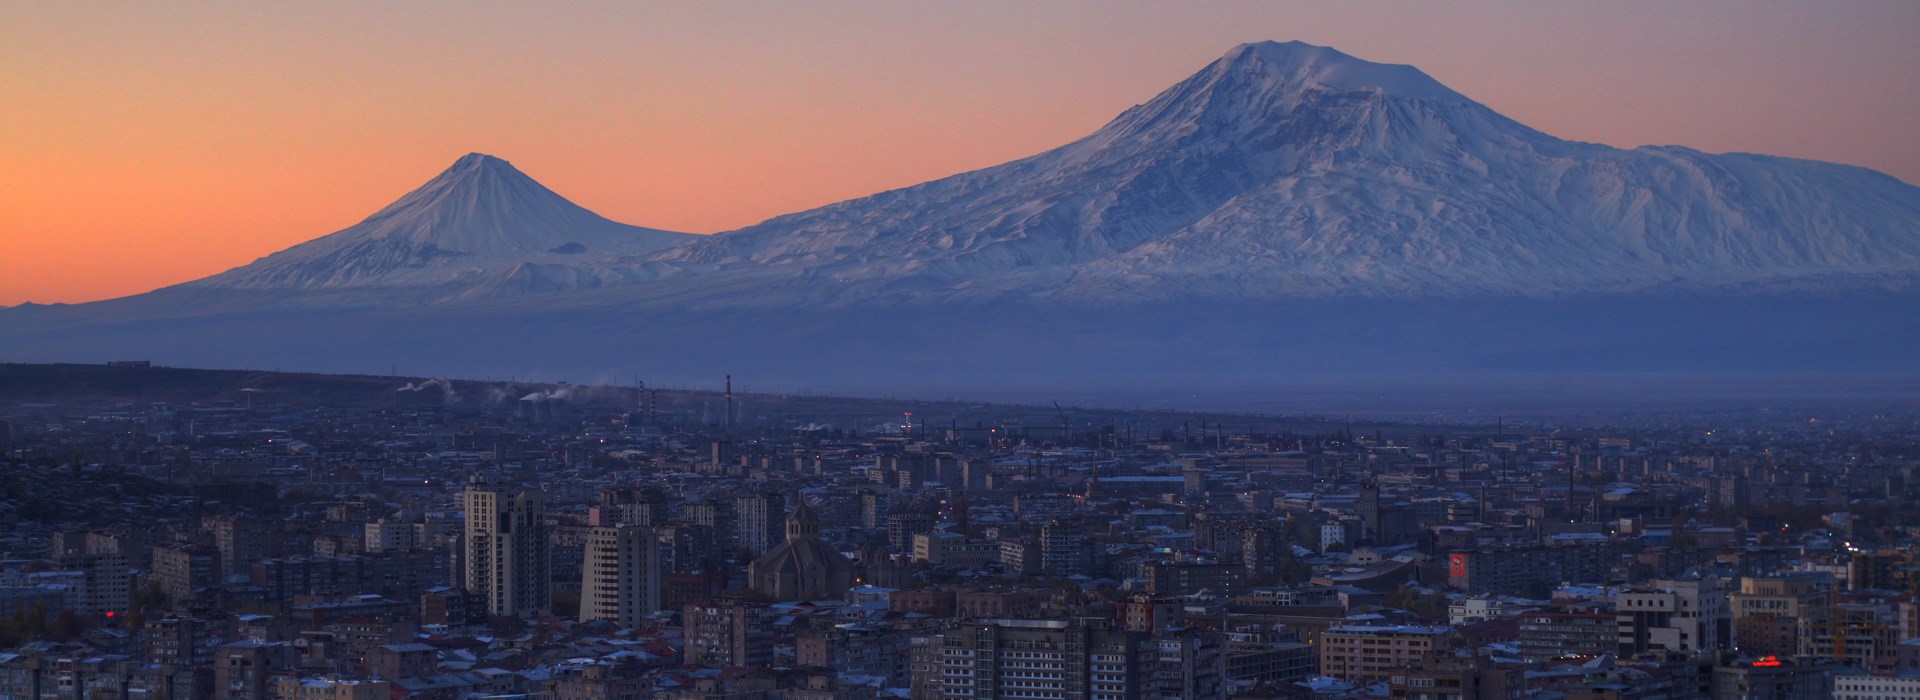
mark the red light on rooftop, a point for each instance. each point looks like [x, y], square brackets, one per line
[1768, 661]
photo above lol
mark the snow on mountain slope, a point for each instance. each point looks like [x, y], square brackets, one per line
[475, 223]
[1287, 211]
[1289, 170]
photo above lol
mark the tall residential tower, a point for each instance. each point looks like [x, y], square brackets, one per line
[620, 581]
[507, 556]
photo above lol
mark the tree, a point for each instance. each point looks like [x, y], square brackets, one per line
[35, 626]
[1292, 570]
[1428, 606]
[67, 626]
[150, 597]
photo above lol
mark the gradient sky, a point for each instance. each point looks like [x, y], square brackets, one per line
[145, 144]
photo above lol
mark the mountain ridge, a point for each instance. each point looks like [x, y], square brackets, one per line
[1273, 173]
[1288, 208]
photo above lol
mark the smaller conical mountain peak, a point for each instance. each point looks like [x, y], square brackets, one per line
[477, 158]
[474, 175]
[479, 215]
[476, 163]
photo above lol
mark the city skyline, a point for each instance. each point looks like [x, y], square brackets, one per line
[862, 350]
[166, 148]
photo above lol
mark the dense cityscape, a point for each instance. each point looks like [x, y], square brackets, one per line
[576, 542]
[841, 350]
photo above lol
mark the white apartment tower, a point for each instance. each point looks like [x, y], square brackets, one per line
[620, 579]
[761, 519]
[506, 549]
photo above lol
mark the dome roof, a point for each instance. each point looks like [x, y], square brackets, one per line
[801, 568]
[806, 554]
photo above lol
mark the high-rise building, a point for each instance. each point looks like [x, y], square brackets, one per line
[645, 505]
[1546, 636]
[241, 542]
[873, 507]
[1384, 524]
[507, 555]
[1853, 634]
[1528, 570]
[1269, 655]
[184, 641]
[902, 526]
[1171, 578]
[106, 581]
[1443, 677]
[452, 607]
[760, 519]
[1768, 613]
[620, 579]
[1079, 659]
[1886, 569]
[1370, 654]
[385, 535]
[1261, 552]
[1065, 550]
[184, 570]
[1683, 616]
[1192, 664]
[718, 517]
[858, 649]
[724, 635]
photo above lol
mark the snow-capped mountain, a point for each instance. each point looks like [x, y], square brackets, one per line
[1291, 170]
[1287, 210]
[480, 224]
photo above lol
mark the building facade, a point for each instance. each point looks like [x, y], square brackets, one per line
[507, 552]
[620, 578]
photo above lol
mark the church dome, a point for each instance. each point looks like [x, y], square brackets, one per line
[803, 567]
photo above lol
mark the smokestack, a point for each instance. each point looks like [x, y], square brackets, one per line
[729, 418]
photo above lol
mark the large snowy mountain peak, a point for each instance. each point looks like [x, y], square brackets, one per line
[1299, 65]
[1288, 170]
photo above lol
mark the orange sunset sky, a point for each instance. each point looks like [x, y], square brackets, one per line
[145, 144]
